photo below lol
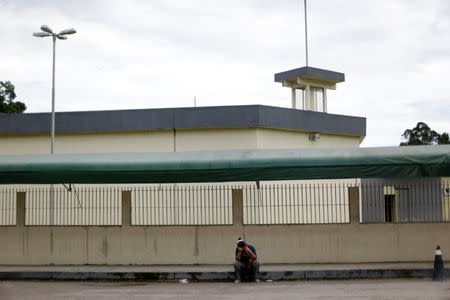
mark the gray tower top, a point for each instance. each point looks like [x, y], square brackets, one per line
[309, 86]
[310, 73]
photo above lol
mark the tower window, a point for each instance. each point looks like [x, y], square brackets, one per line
[317, 99]
[299, 99]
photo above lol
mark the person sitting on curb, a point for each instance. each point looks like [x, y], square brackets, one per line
[246, 265]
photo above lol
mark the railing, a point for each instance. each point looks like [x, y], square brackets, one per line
[182, 205]
[77, 206]
[265, 203]
[317, 203]
[8, 201]
[405, 201]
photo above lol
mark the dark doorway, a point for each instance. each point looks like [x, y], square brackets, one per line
[389, 208]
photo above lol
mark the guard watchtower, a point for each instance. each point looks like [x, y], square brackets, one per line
[309, 86]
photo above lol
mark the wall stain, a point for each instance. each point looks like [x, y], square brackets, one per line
[87, 245]
[155, 246]
[105, 247]
[196, 251]
[145, 238]
[51, 242]
[25, 242]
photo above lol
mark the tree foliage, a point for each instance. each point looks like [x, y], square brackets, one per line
[7, 96]
[444, 139]
[423, 135]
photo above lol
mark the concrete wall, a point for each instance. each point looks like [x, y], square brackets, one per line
[215, 139]
[158, 141]
[215, 244]
[272, 139]
[169, 141]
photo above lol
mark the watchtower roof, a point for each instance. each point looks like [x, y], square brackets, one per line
[310, 73]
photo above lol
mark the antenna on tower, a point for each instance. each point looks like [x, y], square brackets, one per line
[306, 33]
[195, 101]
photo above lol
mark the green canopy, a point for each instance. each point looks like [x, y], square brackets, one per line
[222, 166]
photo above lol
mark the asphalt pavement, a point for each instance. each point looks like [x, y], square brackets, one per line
[318, 289]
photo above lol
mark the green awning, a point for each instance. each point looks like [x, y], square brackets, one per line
[227, 166]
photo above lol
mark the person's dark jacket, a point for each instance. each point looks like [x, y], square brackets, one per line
[244, 256]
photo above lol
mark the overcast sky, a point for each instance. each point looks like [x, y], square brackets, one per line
[148, 54]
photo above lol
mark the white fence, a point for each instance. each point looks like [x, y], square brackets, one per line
[319, 203]
[182, 205]
[301, 202]
[8, 198]
[79, 206]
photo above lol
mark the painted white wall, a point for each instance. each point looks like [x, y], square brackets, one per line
[150, 141]
[165, 141]
[216, 139]
[279, 139]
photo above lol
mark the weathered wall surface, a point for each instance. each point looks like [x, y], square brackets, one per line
[338, 243]
[215, 244]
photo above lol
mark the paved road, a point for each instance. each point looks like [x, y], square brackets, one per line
[348, 289]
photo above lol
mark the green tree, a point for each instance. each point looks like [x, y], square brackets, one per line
[444, 139]
[423, 135]
[7, 96]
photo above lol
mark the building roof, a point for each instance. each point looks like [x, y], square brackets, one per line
[310, 73]
[182, 118]
[223, 166]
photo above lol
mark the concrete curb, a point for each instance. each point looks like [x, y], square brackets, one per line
[220, 276]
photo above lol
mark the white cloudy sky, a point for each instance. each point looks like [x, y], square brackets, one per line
[160, 53]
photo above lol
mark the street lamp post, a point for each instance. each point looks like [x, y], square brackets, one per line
[62, 35]
[46, 31]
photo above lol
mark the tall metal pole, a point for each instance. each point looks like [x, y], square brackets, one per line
[306, 34]
[52, 141]
[52, 146]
